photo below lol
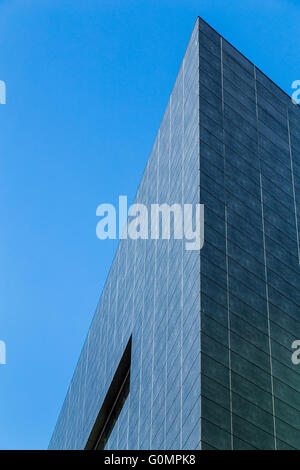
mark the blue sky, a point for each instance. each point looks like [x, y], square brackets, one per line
[87, 85]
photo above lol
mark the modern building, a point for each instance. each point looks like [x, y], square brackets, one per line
[192, 349]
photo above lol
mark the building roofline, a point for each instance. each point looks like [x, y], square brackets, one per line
[245, 57]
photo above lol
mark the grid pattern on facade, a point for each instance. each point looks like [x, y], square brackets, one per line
[149, 283]
[211, 333]
[249, 180]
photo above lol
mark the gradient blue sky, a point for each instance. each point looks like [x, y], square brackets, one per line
[87, 85]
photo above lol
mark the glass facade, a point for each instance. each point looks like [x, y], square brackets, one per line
[212, 330]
